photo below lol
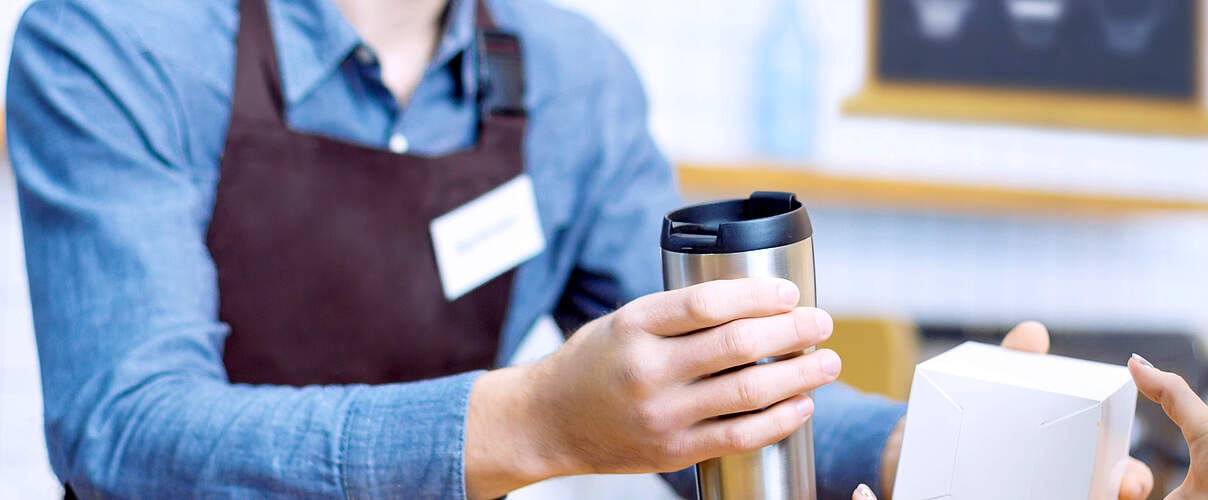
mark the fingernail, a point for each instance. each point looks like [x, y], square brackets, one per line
[830, 362]
[788, 293]
[826, 324]
[864, 491]
[1143, 360]
[805, 406]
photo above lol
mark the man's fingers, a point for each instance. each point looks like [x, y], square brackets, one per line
[738, 435]
[863, 492]
[1029, 336]
[748, 340]
[709, 304]
[759, 386]
[1181, 404]
[1138, 481]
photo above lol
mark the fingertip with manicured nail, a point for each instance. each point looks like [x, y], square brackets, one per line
[863, 491]
[1143, 361]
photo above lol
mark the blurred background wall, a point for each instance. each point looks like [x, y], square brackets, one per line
[704, 66]
[944, 225]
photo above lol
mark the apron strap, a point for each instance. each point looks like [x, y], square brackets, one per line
[500, 67]
[257, 91]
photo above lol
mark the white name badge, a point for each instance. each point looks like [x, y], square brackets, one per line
[487, 236]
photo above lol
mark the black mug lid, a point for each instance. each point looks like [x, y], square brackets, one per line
[766, 219]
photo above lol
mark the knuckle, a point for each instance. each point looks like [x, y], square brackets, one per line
[653, 419]
[634, 379]
[750, 393]
[637, 376]
[700, 304]
[1181, 385]
[763, 295]
[623, 320]
[1197, 436]
[739, 340]
[1169, 389]
[737, 438]
[671, 451]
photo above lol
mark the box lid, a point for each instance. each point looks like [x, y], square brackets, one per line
[1042, 372]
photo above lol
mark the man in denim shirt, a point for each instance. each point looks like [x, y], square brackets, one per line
[118, 116]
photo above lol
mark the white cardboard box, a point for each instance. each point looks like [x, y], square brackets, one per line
[986, 423]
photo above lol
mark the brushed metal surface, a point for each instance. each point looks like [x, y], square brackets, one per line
[785, 470]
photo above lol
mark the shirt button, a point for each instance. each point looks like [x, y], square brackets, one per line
[364, 55]
[398, 143]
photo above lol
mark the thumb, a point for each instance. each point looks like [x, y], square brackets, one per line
[863, 492]
[1029, 336]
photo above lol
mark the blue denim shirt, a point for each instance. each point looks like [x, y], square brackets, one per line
[117, 116]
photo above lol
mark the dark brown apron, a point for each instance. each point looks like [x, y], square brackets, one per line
[326, 270]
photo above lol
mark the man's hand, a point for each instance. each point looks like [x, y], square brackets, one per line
[1029, 336]
[633, 392]
[1188, 411]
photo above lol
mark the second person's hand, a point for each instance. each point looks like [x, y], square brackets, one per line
[632, 392]
[1188, 411]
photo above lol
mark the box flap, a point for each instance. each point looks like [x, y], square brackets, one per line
[1065, 455]
[934, 435]
[1043, 372]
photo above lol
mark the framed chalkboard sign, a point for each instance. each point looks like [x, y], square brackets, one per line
[1127, 65]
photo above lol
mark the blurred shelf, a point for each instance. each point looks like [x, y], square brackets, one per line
[836, 189]
[1033, 107]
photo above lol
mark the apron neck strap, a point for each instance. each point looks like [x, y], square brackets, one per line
[500, 66]
[257, 90]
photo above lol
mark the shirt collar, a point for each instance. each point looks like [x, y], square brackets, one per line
[313, 38]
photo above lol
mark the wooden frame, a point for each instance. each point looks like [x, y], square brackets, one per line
[1110, 112]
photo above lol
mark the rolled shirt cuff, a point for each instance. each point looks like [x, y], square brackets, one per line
[407, 440]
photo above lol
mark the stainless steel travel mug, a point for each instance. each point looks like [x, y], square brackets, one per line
[767, 234]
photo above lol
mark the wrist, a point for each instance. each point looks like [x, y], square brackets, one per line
[507, 444]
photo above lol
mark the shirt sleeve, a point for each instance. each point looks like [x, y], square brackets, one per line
[850, 431]
[634, 187]
[137, 403]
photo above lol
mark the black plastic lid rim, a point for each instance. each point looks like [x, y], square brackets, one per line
[766, 219]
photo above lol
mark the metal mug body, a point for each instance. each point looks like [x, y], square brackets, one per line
[784, 470]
